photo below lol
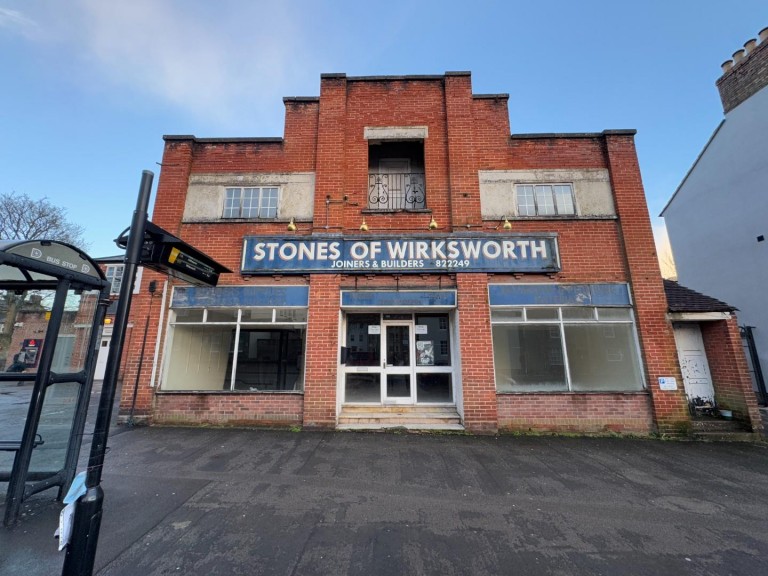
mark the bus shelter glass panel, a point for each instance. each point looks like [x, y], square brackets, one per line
[25, 325]
[55, 426]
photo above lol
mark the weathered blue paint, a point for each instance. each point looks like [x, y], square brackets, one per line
[559, 294]
[240, 296]
[401, 298]
[504, 253]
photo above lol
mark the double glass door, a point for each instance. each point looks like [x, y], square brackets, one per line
[391, 359]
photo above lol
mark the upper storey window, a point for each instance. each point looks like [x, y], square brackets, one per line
[545, 200]
[259, 202]
[396, 175]
[114, 274]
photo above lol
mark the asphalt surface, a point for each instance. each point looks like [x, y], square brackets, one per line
[222, 501]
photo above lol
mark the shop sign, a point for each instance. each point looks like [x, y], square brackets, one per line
[508, 253]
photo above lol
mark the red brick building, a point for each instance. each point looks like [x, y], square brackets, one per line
[401, 259]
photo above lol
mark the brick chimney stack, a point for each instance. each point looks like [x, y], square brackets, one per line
[746, 74]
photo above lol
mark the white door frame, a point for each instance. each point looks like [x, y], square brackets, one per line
[388, 368]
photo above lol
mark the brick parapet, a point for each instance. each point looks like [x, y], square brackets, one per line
[745, 78]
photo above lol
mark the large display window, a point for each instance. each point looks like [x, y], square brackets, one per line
[257, 349]
[565, 349]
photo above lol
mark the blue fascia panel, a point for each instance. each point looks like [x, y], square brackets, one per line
[240, 296]
[558, 295]
[399, 299]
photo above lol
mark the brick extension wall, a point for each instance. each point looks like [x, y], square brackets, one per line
[730, 374]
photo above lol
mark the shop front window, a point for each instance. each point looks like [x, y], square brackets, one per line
[363, 339]
[248, 349]
[553, 349]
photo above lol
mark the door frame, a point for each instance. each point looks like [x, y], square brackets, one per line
[387, 368]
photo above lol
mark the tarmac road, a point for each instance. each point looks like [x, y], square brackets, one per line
[216, 501]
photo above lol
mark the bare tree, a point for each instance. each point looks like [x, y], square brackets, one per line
[23, 218]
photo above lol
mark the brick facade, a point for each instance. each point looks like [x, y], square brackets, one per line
[466, 133]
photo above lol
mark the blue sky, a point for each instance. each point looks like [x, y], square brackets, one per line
[90, 86]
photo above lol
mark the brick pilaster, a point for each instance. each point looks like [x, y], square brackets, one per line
[322, 360]
[462, 167]
[331, 153]
[476, 345]
[650, 302]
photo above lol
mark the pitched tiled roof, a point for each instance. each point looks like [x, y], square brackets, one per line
[682, 299]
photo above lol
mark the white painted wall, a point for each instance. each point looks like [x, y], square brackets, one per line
[205, 195]
[591, 189]
[718, 212]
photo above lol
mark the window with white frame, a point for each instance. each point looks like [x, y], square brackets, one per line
[545, 200]
[565, 349]
[258, 349]
[256, 202]
[114, 274]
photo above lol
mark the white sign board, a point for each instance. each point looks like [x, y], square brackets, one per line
[667, 383]
[421, 328]
[374, 329]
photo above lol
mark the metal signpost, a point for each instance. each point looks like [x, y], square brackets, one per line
[147, 245]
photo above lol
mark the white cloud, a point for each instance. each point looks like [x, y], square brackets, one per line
[216, 64]
[16, 21]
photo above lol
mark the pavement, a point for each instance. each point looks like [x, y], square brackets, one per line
[231, 501]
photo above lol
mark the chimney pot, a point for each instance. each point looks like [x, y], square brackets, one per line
[726, 66]
[738, 56]
[749, 46]
[763, 34]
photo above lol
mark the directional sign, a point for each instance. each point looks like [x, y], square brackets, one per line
[164, 252]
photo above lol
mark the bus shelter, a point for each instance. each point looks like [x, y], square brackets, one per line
[53, 300]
